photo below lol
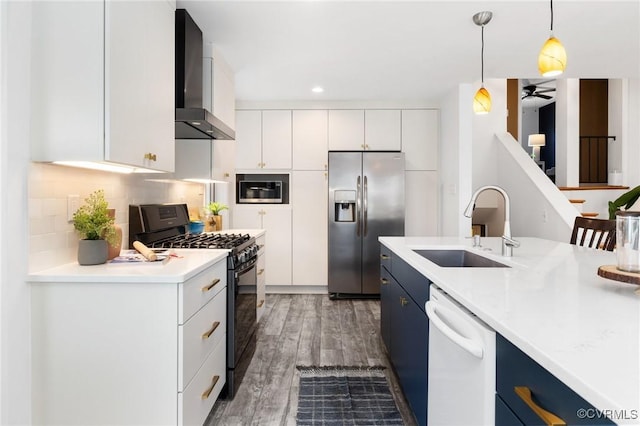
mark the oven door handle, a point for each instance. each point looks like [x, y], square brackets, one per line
[247, 266]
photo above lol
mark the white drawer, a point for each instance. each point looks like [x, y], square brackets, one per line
[197, 291]
[195, 403]
[199, 335]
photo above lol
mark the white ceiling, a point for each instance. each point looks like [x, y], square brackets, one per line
[408, 50]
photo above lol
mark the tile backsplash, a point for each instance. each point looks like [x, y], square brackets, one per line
[52, 239]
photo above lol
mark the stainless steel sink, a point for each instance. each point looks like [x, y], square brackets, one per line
[459, 259]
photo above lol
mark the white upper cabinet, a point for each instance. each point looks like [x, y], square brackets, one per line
[263, 139]
[276, 139]
[219, 88]
[248, 139]
[420, 139]
[107, 95]
[310, 139]
[346, 130]
[382, 130]
[224, 154]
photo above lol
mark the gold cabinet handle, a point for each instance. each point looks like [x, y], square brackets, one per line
[384, 281]
[207, 392]
[260, 272]
[259, 305]
[227, 175]
[209, 332]
[403, 301]
[548, 418]
[150, 156]
[210, 286]
[384, 257]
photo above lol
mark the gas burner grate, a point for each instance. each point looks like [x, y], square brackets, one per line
[203, 241]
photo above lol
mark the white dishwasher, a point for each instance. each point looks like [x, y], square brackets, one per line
[462, 365]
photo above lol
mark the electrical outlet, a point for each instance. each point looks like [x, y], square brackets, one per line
[73, 204]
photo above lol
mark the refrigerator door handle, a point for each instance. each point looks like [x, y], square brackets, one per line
[365, 203]
[358, 205]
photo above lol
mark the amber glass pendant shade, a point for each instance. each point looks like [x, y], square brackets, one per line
[482, 101]
[552, 59]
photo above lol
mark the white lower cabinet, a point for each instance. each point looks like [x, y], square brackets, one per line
[128, 353]
[261, 289]
[310, 235]
[276, 221]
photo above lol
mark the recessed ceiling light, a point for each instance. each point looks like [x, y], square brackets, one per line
[317, 89]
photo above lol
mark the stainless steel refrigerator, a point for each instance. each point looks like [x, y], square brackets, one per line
[366, 200]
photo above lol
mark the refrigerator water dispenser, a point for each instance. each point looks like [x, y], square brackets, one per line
[345, 205]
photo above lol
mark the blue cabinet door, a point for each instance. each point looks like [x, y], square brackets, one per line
[515, 369]
[504, 415]
[409, 348]
[385, 306]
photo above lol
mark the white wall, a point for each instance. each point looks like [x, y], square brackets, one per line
[567, 132]
[455, 160]
[631, 140]
[538, 208]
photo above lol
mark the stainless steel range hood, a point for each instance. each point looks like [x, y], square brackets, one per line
[192, 120]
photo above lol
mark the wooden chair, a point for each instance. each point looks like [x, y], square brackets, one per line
[594, 233]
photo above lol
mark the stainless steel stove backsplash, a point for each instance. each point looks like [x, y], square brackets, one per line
[52, 239]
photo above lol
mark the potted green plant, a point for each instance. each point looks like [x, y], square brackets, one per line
[216, 220]
[96, 226]
[627, 200]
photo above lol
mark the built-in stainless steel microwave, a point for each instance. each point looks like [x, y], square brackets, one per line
[263, 188]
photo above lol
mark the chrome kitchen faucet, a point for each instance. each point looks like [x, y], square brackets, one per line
[508, 243]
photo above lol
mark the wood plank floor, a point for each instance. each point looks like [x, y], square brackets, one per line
[304, 330]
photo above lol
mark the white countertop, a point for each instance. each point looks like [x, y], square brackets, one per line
[188, 263]
[551, 303]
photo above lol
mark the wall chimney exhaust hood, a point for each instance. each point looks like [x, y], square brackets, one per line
[192, 120]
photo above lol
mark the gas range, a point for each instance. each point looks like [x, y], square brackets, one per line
[166, 225]
[242, 246]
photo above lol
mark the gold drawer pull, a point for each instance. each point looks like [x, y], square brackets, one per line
[260, 272]
[209, 332]
[384, 281]
[210, 286]
[150, 156]
[207, 392]
[260, 304]
[384, 257]
[403, 301]
[548, 418]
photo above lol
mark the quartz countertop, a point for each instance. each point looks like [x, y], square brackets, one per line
[185, 264]
[551, 304]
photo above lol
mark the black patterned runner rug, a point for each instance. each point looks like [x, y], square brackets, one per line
[345, 396]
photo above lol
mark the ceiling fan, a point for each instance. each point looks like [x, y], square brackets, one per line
[536, 90]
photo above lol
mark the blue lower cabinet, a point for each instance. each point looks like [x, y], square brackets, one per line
[504, 415]
[405, 332]
[524, 385]
[385, 306]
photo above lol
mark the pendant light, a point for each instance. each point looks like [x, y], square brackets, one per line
[482, 99]
[552, 59]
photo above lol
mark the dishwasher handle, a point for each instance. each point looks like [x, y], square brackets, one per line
[469, 345]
